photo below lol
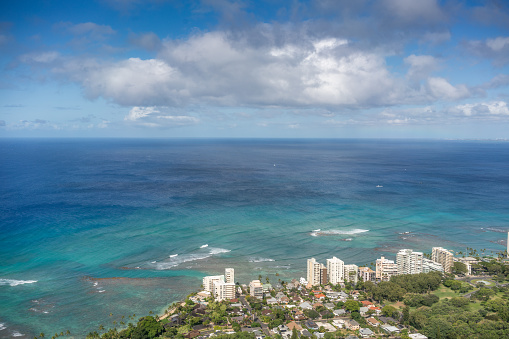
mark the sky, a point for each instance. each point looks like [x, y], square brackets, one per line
[255, 69]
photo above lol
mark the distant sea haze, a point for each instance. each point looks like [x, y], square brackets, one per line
[93, 227]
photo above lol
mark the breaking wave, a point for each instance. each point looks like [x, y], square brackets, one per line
[316, 233]
[12, 282]
[259, 259]
[176, 260]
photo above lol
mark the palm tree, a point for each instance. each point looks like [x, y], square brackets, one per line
[101, 327]
[41, 335]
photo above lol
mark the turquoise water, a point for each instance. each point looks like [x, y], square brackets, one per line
[91, 227]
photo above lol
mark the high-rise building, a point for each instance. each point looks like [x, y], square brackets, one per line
[409, 262]
[351, 273]
[256, 289]
[335, 270]
[385, 269]
[229, 274]
[367, 274]
[224, 290]
[430, 266]
[324, 278]
[444, 257]
[314, 272]
[208, 282]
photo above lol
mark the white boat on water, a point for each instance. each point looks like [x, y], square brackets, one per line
[378, 186]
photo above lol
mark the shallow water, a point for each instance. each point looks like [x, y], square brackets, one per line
[93, 227]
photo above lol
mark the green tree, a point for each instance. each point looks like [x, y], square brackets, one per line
[459, 268]
[352, 306]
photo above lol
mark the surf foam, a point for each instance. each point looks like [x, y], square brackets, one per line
[12, 282]
[338, 232]
[260, 259]
[175, 260]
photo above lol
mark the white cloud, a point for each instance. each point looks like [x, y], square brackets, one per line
[496, 49]
[157, 117]
[494, 108]
[498, 44]
[217, 69]
[441, 89]
[420, 65]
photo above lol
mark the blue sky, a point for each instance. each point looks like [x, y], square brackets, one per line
[218, 68]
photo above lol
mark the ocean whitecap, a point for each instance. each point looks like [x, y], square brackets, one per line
[12, 282]
[338, 232]
[174, 261]
[260, 259]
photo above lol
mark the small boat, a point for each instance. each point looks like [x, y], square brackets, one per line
[378, 186]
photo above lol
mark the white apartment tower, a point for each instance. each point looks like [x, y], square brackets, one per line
[385, 269]
[314, 272]
[409, 262]
[351, 273]
[208, 282]
[335, 270]
[444, 257]
[229, 274]
[224, 290]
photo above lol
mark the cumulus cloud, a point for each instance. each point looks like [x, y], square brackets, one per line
[217, 69]
[496, 49]
[494, 108]
[441, 89]
[157, 117]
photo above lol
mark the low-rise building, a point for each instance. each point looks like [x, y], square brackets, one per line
[365, 332]
[256, 289]
[367, 274]
[352, 325]
[373, 322]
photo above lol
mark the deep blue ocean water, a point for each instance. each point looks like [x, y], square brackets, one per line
[91, 227]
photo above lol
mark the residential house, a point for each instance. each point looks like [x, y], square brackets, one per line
[339, 312]
[292, 324]
[339, 323]
[330, 306]
[377, 310]
[417, 336]
[366, 303]
[352, 325]
[316, 305]
[365, 332]
[363, 311]
[305, 305]
[311, 324]
[272, 301]
[390, 329]
[373, 322]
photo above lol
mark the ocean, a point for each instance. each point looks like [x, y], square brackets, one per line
[93, 227]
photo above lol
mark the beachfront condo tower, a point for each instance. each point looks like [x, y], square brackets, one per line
[335, 268]
[443, 257]
[314, 272]
[229, 275]
[409, 262]
[385, 269]
[351, 273]
[208, 282]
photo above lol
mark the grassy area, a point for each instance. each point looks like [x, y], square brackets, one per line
[445, 292]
